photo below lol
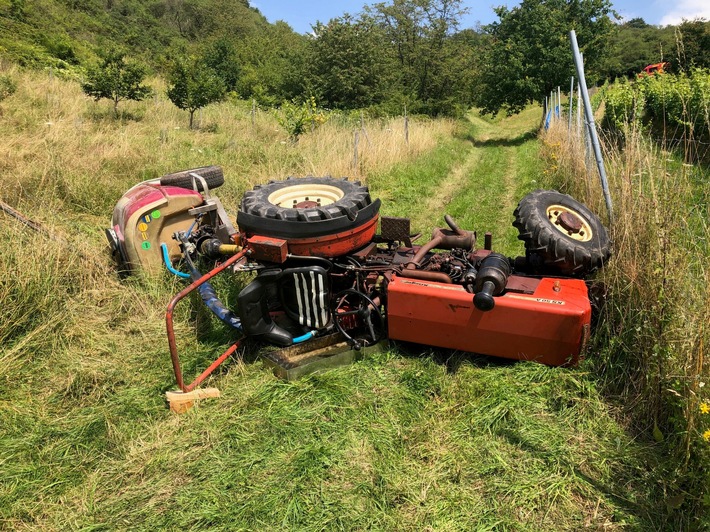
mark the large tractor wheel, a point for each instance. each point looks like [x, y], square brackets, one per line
[561, 235]
[213, 176]
[306, 207]
[318, 216]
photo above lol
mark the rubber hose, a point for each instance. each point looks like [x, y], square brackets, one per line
[169, 266]
[210, 299]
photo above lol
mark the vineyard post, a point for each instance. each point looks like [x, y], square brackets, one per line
[570, 101]
[589, 114]
[579, 109]
[406, 126]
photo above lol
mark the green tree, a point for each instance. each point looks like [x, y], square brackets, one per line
[431, 64]
[694, 44]
[528, 53]
[221, 57]
[349, 66]
[635, 44]
[273, 65]
[116, 78]
[192, 85]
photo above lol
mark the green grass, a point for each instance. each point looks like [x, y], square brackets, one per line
[394, 442]
[409, 439]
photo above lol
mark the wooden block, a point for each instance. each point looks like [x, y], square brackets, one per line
[181, 402]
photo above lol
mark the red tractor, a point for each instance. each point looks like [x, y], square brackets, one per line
[323, 274]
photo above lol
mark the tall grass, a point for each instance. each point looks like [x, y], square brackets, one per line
[654, 324]
[61, 148]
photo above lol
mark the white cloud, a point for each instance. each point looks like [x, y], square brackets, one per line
[687, 9]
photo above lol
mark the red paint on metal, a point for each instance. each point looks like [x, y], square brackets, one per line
[171, 328]
[545, 326]
[335, 245]
[145, 194]
[570, 222]
[268, 248]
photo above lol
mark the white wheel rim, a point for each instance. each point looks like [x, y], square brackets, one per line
[584, 234]
[293, 195]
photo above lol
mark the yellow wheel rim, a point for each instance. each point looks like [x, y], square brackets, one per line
[290, 197]
[569, 222]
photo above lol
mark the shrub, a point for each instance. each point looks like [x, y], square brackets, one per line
[7, 86]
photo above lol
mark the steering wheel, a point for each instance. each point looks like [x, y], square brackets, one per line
[358, 309]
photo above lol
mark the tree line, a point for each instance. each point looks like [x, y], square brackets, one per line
[394, 55]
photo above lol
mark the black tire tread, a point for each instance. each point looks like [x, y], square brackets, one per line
[213, 175]
[356, 197]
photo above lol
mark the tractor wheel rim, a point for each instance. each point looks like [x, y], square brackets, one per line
[569, 222]
[304, 196]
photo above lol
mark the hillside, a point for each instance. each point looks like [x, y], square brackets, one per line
[61, 33]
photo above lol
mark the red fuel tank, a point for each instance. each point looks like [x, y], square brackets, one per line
[548, 322]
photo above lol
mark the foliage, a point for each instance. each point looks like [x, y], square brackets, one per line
[17, 9]
[8, 86]
[432, 66]
[634, 45]
[349, 67]
[693, 41]
[274, 65]
[221, 57]
[192, 85]
[149, 31]
[117, 78]
[670, 106]
[624, 104]
[297, 119]
[528, 52]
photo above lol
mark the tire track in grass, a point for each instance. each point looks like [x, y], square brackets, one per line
[435, 207]
[482, 192]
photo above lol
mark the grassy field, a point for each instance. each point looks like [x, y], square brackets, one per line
[408, 439]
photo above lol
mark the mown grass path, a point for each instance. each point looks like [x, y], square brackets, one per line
[478, 179]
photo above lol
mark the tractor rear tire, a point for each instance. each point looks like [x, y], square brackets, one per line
[213, 175]
[561, 235]
[306, 207]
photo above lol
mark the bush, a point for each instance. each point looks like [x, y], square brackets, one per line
[7, 86]
[675, 108]
[296, 119]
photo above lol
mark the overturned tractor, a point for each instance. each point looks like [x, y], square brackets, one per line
[327, 269]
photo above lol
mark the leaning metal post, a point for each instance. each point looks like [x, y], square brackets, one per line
[570, 103]
[590, 122]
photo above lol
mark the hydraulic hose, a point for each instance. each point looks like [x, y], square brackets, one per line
[209, 296]
[304, 338]
[169, 266]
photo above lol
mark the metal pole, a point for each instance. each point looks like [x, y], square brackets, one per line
[579, 110]
[590, 122]
[559, 102]
[406, 126]
[570, 102]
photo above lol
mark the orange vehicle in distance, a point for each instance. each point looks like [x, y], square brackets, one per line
[656, 68]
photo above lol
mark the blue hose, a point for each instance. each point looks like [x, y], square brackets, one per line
[169, 266]
[304, 338]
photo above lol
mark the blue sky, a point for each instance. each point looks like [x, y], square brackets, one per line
[301, 14]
